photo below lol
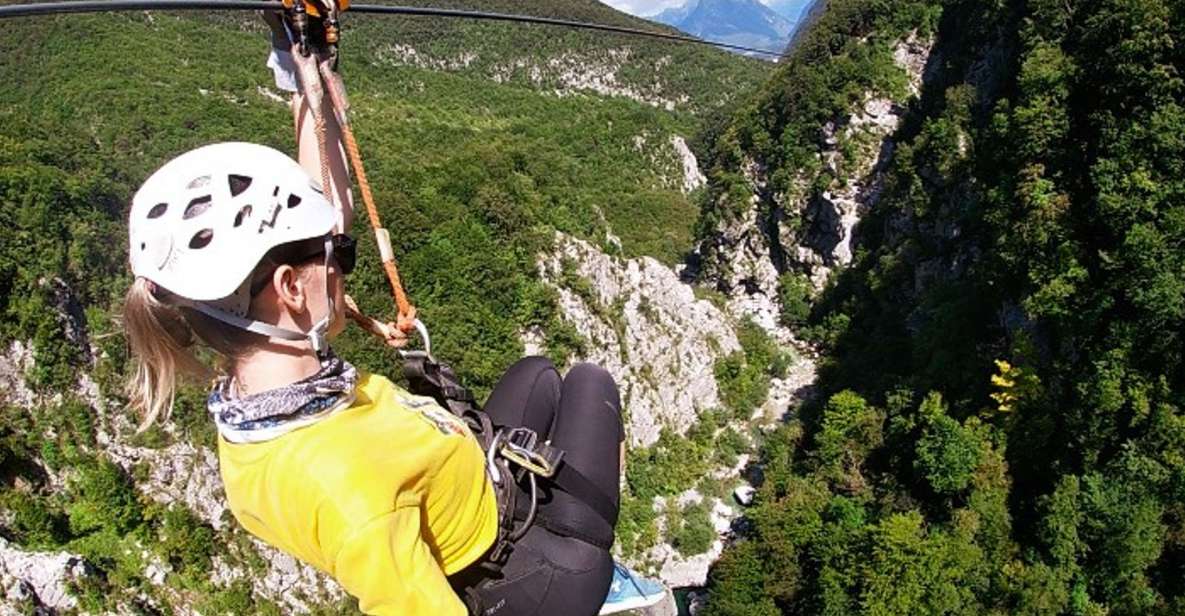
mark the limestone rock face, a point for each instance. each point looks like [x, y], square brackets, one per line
[645, 327]
[670, 156]
[291, 584]
[813, 234]
[179, 473]
[666, 607]
[830, 218]
[913, 55]
[38, 578]
[750, 271]
[13, 364]
[693, 178]
[643, 323]
[679, 571]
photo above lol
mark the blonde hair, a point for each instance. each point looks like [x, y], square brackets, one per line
[163, 337]
[161, 341]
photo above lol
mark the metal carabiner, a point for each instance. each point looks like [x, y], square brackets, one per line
[491, 458]
[422, 330]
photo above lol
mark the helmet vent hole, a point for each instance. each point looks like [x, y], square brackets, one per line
[201, 239]
[158, 210]
[238, 184]
[196, 208]
[293, 201]
[199, 182]
[243, 214]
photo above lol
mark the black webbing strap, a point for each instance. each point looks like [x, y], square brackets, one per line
[575, 483]
[427, 377]
[565, 529]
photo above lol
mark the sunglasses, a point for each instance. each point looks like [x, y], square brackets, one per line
[344, 251]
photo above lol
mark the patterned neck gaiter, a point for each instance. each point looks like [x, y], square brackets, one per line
[268, 414]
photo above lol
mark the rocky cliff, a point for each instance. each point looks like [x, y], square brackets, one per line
[796, 230]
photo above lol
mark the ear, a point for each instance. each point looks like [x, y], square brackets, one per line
[290, 288]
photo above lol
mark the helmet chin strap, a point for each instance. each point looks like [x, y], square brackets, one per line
[317, 336]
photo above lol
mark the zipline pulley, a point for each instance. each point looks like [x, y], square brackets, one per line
[315, 25]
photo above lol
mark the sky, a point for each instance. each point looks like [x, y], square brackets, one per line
[643, 7]
[646, 8]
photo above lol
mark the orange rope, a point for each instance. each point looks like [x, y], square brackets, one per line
[407, 312]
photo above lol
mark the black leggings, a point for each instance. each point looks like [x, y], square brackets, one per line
[548, 573]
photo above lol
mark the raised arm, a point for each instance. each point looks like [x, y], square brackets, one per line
[283, 62]
[309, 155]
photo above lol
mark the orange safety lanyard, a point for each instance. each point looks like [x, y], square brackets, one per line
[337, 97]
[317, 76]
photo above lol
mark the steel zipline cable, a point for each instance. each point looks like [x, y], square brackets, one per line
[104, 6]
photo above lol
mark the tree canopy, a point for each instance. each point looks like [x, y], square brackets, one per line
[1000, 425]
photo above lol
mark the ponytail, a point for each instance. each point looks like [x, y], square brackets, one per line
[160, 339]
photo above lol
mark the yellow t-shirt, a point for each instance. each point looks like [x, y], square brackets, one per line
[388, 496]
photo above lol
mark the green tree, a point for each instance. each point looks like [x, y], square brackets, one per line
[849, 430]
[947, 452]
[794, 298]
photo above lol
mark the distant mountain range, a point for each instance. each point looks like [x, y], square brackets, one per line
[794, 10]
[738, 22]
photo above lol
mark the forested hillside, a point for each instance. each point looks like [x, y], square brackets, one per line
[970, 213]
[1000, 425]
[481, 141]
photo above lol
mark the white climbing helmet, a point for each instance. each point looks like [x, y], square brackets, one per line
[201, 224]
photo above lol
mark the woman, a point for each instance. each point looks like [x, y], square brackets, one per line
[234, 246]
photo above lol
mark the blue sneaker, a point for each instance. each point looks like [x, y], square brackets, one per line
[630, 591]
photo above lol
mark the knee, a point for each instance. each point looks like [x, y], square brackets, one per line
[534, 368]
[534, 362]
[592, 377]
[592, 373]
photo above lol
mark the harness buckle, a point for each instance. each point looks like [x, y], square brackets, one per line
[523, 447]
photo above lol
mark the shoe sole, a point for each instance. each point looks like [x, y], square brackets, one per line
[633, 603]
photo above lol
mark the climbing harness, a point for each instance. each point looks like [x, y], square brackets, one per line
[517, 459]
[428, 377]
[515, 453]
